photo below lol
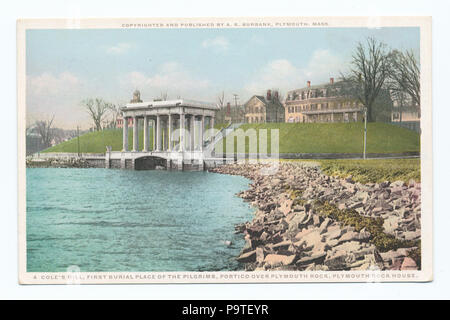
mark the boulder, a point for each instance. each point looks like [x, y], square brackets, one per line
[247, 257]
[333, 232]
[408, 264]
[316, 220]
[348, 236]
[315, 258]
[390, 224]
[286, 205]
[349, 246]
[336, 261]
[324, 225]
[296, 222]
[282, 245]
[259, 255]
[275, 260]
[412, 235]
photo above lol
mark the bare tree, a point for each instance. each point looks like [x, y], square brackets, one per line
[115, 112]
[405, 75]
[45, 131]
[97, 109]
[399, 96]
[221, 100]
[368, 74]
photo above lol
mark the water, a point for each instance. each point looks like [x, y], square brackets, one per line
[121, 220]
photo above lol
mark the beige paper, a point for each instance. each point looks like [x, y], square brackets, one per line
[302, 251]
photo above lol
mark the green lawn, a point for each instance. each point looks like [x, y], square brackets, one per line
[96, 142]
[336, 137]
[293, 137]
[373, 170]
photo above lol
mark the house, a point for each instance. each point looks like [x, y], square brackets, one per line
[331, 102]
[322, 103]
[260, 109]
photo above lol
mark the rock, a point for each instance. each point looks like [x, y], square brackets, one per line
[259, 255]
[397, 184]
[390, 224]
[338, 261]
[333, 232]
[315, 258]
[282, 245]
[324, 225]
[309, 239]
[295, 223]
[363, 235]
[287, 227]
[412, 235]
[274, 260]
[264, 236]
[348, 236]
[349, 246]
[408, 264]
[396, 265]
[286, 205]
[247, 257]
[255, 230]
[316, 220]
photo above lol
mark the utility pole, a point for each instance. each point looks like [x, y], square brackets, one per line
[236, 97]
[365, 132]
[78, 140]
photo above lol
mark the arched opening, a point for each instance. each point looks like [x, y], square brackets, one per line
[150, 163]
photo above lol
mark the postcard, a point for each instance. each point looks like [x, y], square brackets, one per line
[224, 150]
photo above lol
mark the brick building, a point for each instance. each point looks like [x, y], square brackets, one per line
[322, 103]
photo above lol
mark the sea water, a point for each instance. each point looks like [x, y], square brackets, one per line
[124, 220]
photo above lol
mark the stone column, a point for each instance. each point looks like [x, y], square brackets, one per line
[154, 134]
[163, 134]
[146, 136]
[191, 133]
[211, 138]
[181, 131]
[158, 133]
[202, 130]
[169, 136]
[125, 134]
[135, 134]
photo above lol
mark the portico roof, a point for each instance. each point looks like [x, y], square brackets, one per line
[171, 103]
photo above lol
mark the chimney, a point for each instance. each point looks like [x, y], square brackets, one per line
[275, 95]
[308, 83]
[228, 108]
[331, 80]
[269, 95]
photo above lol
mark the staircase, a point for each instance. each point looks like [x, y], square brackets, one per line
[209, 145]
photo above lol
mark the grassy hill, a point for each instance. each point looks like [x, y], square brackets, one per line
[96, 142]
[294, 138]
[338, 137]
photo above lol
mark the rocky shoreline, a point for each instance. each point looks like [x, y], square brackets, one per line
[306, 220]
[58, 163]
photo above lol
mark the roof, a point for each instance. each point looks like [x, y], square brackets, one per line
[266, 102]
[173, 103]
[319, 86]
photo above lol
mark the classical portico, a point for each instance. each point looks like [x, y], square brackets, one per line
[178, 131]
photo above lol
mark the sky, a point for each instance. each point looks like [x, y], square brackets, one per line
[63, 67]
